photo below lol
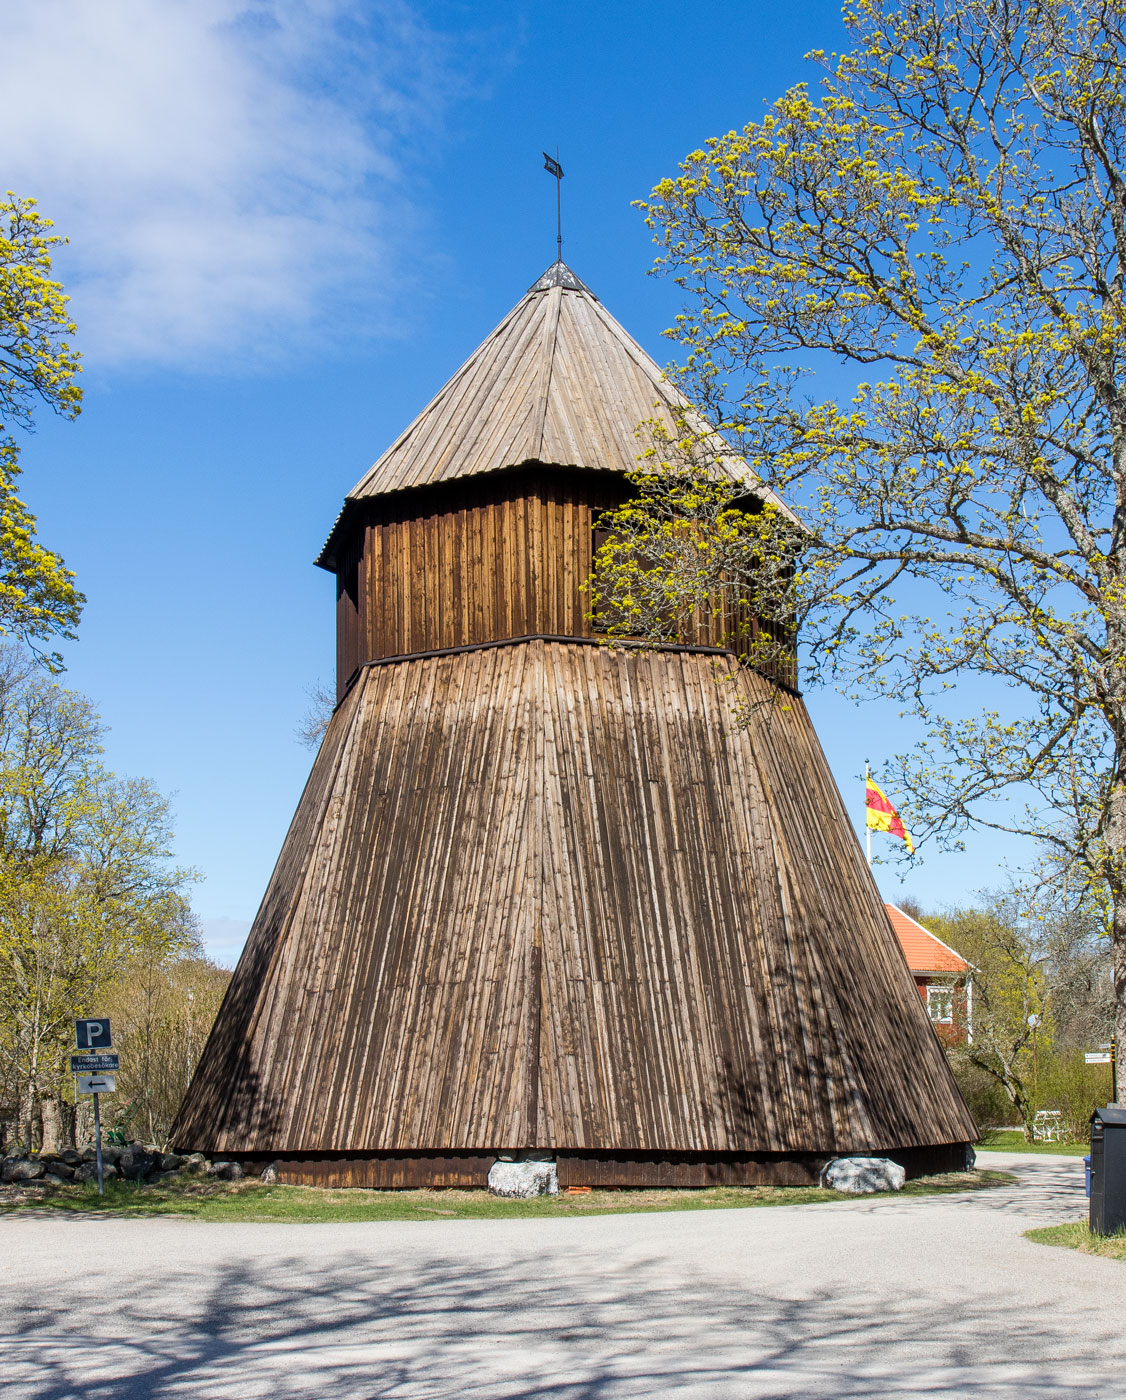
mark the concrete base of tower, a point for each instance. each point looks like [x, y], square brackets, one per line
[673, 1170]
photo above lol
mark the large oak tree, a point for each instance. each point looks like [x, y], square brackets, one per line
[943, 223]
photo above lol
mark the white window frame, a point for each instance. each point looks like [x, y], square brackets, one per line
[946, 989]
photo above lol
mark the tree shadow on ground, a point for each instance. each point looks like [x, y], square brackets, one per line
[1050, 1189]
[358, 1325]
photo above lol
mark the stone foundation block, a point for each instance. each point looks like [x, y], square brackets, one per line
[858, 1176]
[522, 1179]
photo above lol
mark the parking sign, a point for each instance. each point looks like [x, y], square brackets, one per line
[92, 1035]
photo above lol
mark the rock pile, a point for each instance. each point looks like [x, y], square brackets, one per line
[138, 1161]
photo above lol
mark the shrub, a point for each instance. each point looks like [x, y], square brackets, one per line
[1074, 1088]
[988, 1102]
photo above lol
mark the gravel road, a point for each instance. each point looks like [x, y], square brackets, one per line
[876, 1298]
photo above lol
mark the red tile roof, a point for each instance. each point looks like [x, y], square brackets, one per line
[924, 952]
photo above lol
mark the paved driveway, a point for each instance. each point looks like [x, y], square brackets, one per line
[877, 1298]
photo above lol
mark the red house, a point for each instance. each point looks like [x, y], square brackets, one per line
[943, 977]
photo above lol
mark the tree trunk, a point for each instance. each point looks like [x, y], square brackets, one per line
[1027, 1110]
[83, 1122]
[994, 1064]
[29, 1115]
[51, 1119]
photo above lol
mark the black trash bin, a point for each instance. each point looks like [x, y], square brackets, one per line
[1108, 1170]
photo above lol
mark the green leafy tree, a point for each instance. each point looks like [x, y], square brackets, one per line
[162, 1008]
[942, 229]
[1040, 999]
[86, 884]
[38, 599]
[1011, 1021]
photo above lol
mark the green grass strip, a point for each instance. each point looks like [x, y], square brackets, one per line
[1013, 1140]
[253, 1201]
[1078, 1236]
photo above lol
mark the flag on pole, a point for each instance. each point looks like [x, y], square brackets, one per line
[882, 816]
[552, 166]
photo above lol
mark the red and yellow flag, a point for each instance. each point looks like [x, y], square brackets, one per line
[882, 816]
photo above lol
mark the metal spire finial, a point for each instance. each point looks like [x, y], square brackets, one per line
[552, 166]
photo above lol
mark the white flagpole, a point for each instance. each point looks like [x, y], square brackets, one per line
[867, 828]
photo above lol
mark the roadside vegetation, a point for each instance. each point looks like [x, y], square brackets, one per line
[1078, 1236]
[1013, 1140]
[94, 920]
[1043, 998]
[256, 1201]
[903, 305]
[94, 915]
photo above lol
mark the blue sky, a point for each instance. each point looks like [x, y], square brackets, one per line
[290, 222]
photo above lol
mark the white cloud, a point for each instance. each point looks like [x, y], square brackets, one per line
[231, 173]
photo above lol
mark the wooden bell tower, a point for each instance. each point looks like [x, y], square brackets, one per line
[545, 895]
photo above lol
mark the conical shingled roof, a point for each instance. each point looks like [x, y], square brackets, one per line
[559, 382]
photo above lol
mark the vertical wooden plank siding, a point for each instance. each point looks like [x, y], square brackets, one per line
[471, 564]
[545, 893]
[483, 561]
[549, 894]
[351, 648]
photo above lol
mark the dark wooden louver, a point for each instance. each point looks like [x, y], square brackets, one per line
[545, 894]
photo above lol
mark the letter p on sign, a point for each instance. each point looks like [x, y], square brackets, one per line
[92, 1035]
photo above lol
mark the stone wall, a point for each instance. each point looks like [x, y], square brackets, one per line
[139, 1162]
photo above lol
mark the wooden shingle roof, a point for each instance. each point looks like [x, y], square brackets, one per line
[558, 382]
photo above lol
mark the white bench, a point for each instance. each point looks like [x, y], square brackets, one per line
[1047, 1126]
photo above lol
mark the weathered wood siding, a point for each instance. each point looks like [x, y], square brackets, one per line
[548, 894]
[677, 1170]
[479, 561]
[473, 562]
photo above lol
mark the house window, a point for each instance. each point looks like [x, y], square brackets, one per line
[940, 1004]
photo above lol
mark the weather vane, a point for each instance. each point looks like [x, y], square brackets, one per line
[552, 166]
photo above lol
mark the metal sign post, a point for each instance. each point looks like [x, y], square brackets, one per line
[90, 1035]
[98, 1144]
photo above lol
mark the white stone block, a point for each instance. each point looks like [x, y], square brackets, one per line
[522, 1179]
[860, 1175]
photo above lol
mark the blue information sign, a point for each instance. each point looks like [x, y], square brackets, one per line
[93, 1064]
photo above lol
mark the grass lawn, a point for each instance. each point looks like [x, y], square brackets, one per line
[1077, 1236]
[1013, 1140]
[253, 1201]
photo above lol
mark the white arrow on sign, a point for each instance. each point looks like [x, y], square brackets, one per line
[96, 1084]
